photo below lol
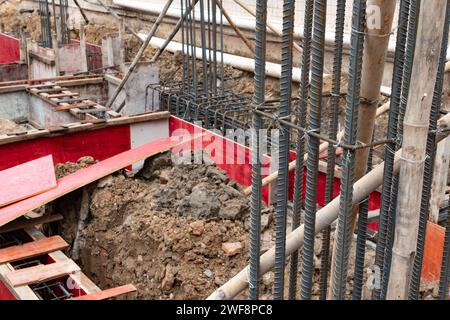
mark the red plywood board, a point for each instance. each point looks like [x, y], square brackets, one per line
[9, 49]
[100, 144]
[432, 258]
[27, 180]
[86, 176]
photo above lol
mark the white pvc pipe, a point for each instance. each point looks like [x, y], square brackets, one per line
[241, 22]
[247, 64]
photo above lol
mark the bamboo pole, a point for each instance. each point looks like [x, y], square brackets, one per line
[325, 217]
[376, 45]
[323, 147]
[413, 155]
[269, 25]
[235, 27]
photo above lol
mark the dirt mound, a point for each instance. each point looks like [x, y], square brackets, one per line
[62, 170]
[176, 232]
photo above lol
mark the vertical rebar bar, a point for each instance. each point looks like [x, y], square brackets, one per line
[391, 135]
[429, 165]
[284, 148]
[361, 241]
[256, 197]
[343, 236]
[407, 71]
[331, 159]
[300, 144]
[315, 117]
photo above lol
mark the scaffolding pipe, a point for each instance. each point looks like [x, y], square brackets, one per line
[416, 126]
[325, 217]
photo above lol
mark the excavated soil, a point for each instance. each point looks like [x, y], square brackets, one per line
[174, 231]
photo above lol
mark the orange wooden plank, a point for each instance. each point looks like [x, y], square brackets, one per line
[27, 180]
[63, 95]
[41, 273]
[32, 249]
[88, 175]
[432, 258]
[108, 294]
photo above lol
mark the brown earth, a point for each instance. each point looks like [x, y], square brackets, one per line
[8, 126]
[170, 230]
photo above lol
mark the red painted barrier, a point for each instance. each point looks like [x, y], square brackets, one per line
[99, 144]
[9, 49]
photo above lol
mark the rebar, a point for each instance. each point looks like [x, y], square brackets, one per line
[315, 117]
[361, 240]
[301, 139]
[343, 236]
[429, 165]
[331, 159]
[391, 134]
[407, 70]
[256, 197]
[284, 148]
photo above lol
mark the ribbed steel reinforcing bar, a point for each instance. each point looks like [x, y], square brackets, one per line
[361, 241]
[391, 134]
[315, 117]
[408, 65]
[429, 165]
[256, 197]
[343, 236]
[284, 148]
[300, 144]
[331, 159]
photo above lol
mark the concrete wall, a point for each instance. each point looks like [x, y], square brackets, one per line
[44, 114]
[14, 105]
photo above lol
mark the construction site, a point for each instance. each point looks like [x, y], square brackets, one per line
[224, 150]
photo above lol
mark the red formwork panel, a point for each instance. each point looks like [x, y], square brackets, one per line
[5, 294]
[86, 176]
[9, 49]
[26, 180]
[99, 144]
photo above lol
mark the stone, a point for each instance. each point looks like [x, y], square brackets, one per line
[197, 227]
[169, 279]
[232, 248]
[164, 177]
[105, 182]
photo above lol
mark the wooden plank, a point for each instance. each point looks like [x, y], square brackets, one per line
[27, 180]
[23, 224]
[63, 95]
[82, 105]
[88, 175]
[108, 294]
[42, 273]
[32, 249]
[80, 279]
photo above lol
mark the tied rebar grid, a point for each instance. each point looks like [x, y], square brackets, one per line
[343, 233]
[284, 148]
[331, 159]
[46, 30]
[315, 118]
[301, 139]
[256, 197]
[429, 164]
